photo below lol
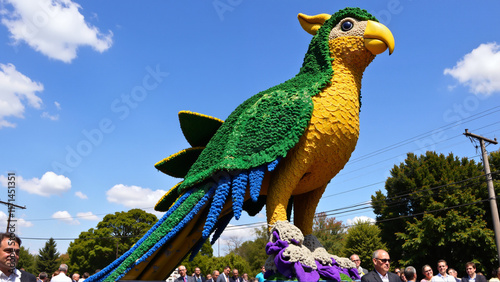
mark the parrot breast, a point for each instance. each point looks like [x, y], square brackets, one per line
[333, 131]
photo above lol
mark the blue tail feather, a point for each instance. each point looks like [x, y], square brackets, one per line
[255, 177]
[218, 201]
[239, 186]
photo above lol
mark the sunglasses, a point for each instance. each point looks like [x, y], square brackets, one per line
[385, 260]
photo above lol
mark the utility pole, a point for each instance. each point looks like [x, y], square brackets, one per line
[489, 183]
[10, 207]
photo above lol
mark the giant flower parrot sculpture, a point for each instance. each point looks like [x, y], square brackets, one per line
[285, 142]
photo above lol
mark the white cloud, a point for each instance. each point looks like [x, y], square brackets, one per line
[479, 70]
[19, 222]
[134, 196]
[55, 28]
[58, 106]
[49, 184]
[16, 90]
[362, 218]
[80, 195]
[87, 216]
[65, 217]
[49, 116]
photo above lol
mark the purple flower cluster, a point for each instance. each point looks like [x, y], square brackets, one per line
[291, 269]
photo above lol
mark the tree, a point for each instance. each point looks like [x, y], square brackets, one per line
[363, 238]
[437, 208]
[233, 243]
[48, 257]
[254, 252]
[329, 232]
[114, 235]
[27, 260]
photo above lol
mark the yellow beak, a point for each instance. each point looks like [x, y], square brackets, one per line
[378, 38]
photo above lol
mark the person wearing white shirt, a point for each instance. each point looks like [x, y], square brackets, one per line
[61, 277]
[442, 276]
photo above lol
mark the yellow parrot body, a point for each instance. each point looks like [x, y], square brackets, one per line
[328, 141]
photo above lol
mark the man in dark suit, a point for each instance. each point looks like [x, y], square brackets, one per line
[9, 256]
[410, 274]
[236, 276]
[183, 278]
[470, 268]
[198, 277]
[215, 274]
[381, 263]
[224, 276]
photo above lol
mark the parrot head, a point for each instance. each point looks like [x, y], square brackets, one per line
[350, 23]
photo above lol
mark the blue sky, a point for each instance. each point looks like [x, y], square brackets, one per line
[90, 91]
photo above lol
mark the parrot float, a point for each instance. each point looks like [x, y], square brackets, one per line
[284, 143]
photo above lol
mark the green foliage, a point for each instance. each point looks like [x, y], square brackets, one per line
[48, 257]
[436, 208]
[27, 260]
[329, 233]
[254, 252]
[363, 238]
[114, 235]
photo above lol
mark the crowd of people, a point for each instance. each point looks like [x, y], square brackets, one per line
[227, 275]
[381, 264]
[10, 248]
[61, 275]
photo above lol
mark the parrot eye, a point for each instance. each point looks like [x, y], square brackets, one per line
[347, 25]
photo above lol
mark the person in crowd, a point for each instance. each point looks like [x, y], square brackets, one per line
[75, 277]
[43, 277]
[454, 274]
[495, 275]
[84, 276]
[215, 275]
[260, 275]
[236, 276]
[62, 277]
[9, 256]
[381, 264]
[183, 276]
[442, 276]
[427, 272]
[402, 275]
[410, 274]
[361, 271]
[470, 268]
[198, 277]
[245, 277]
[224, 276]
